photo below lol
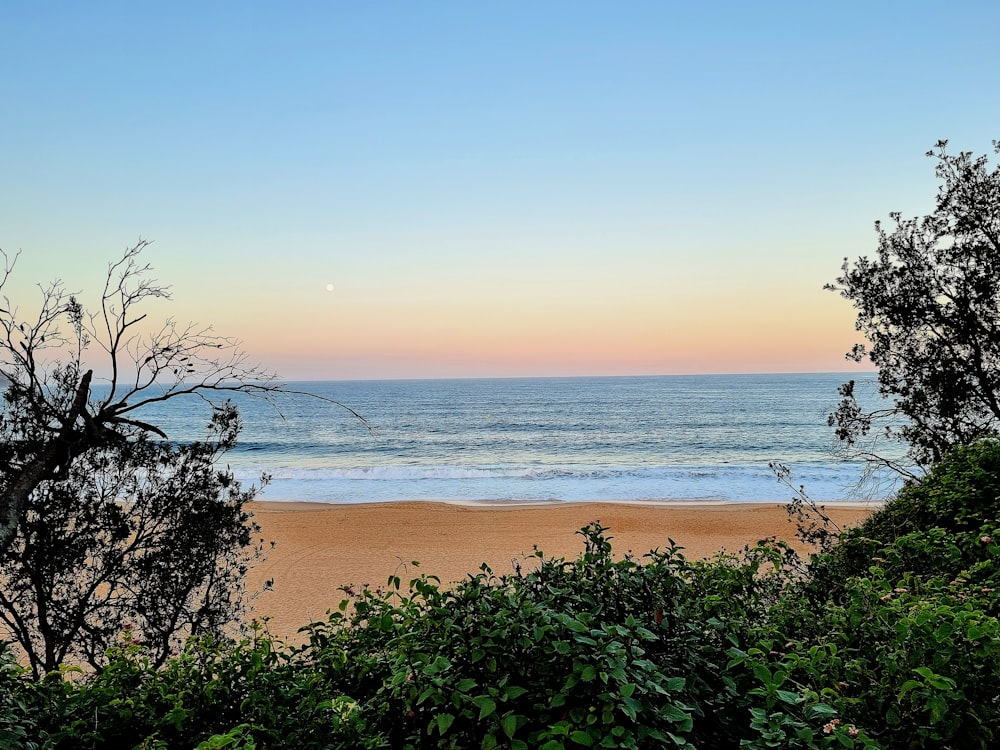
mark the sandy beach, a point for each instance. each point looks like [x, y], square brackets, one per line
[320, 547]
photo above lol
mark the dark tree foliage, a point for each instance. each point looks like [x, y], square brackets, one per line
[106, 529]
[928, 305]
[50, 418]
[140, 541]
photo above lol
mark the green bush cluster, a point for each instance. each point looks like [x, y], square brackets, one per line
[889, 640]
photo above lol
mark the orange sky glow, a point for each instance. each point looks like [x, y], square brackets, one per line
[467, 190]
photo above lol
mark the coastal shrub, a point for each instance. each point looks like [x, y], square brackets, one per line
[595, 651]
[784, 712]
[591, 652]
[252, 689]
[571, 654]
[935, 526]
[961, 491]
[103, 520]
[17, 726]
[911, 660]
[897, 624]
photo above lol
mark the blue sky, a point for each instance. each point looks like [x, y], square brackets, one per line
[491, 188]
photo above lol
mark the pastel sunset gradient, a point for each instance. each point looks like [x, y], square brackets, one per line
[447, 189]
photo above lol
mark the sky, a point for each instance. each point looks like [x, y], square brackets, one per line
[445, 189]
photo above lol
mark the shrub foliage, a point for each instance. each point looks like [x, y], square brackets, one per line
[141, 537]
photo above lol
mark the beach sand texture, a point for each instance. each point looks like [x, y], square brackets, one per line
[320, 548]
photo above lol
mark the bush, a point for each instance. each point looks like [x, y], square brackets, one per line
[934, 527]
[592, 652]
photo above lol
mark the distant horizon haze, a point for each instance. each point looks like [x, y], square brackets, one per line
[102, 378]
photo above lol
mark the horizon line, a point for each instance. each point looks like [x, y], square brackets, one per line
[576, 377]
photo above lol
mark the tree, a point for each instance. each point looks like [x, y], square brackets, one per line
[928, 305]
[50, 417]
[140, 540]
[106, 527]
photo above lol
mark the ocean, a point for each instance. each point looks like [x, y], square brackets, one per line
[705, 438]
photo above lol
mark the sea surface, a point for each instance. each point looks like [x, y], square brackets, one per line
[653, 439]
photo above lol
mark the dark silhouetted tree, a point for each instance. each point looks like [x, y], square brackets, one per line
[928, 306]
[138, 540]
[105, 527]
[51, 417]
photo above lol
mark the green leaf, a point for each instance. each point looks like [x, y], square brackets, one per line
[820, 711]
[582, 738]
[443, 722]
[936, 681]
[675, 684]
[938, 708]
[509, 725]
[762, 673]
[513, 692]
[675, 714]
[573, 624]
[738, 657]
[465, 685]
[943, 632]
[487, 706]
[845, 739]
[631, 707]
[789, 697]
[907, 687]
[438, 665]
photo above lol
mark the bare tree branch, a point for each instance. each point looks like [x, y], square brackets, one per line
[50, 419]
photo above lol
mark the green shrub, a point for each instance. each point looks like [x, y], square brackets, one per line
[573, 654]
[933, 527]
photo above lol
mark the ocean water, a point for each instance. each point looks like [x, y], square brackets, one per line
[656, 439]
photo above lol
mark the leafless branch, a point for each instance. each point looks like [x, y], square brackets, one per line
[50, 412]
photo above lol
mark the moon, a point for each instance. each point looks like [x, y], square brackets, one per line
[329, 287]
